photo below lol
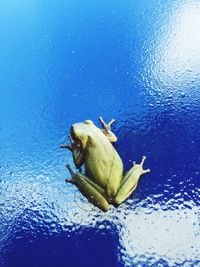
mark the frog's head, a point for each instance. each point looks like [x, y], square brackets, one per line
[81, 131]
[79, 135]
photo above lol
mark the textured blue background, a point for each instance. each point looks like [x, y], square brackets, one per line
[66, 61]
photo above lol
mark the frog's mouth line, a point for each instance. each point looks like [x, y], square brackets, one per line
[74, 139]
[77, 148]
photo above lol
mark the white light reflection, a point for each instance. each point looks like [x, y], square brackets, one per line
[169, 235]
[148, 236]
[177, 55]
[147, 232]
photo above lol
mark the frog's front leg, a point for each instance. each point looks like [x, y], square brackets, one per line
[76, 150]
[89, 189]
[107, 130]
[130, 181]
[68, 146]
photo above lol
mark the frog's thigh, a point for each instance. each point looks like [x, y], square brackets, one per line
[92, 191]
[130, 181]
[126, 189]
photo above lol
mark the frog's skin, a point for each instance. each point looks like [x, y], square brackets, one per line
[103, 182]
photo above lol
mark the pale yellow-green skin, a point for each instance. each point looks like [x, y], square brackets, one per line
[103, 182]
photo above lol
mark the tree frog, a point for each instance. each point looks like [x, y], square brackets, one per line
[103, 182]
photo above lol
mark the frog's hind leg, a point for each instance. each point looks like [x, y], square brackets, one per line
[130, 181]
[107, 130]
[93, 192]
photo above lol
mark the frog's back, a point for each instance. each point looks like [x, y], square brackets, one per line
[103, 164]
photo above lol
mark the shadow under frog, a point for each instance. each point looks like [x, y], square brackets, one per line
[103, 182]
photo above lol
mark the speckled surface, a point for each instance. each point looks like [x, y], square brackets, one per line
[67, 61]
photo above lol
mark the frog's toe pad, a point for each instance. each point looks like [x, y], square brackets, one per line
[146, 171]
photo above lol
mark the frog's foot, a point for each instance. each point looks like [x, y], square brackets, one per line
[106, 126]
[107, 130]
[73, 175]
[68, 146]
[141, 164]
[93, 192]
[130, 181]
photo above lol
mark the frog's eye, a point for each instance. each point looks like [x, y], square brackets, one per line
[88, 122]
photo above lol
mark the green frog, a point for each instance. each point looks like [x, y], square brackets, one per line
[103, 182]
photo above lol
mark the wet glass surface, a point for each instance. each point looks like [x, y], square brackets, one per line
[67, 61]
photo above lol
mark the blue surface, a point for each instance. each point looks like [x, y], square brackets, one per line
[67, 61]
